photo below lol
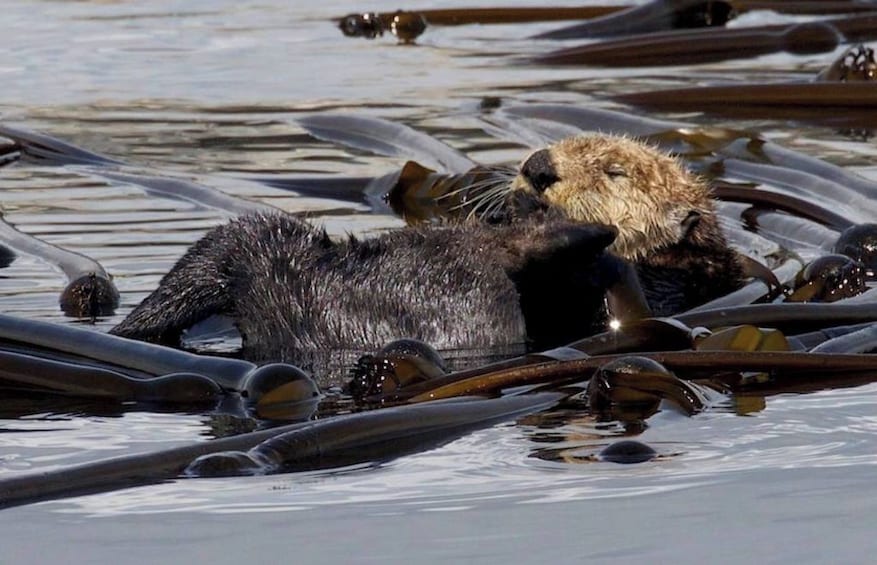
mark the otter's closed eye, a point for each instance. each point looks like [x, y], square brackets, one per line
[615, 170]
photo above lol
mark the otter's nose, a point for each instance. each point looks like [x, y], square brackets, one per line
[539, 171]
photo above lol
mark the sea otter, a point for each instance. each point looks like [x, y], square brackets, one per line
[295, 293]
[666, 220]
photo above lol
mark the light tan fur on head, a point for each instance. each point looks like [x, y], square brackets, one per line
[618, 181]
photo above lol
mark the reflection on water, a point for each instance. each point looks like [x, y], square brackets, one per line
[211, 93]
[495, 465]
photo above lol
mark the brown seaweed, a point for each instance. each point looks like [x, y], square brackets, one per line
[10, 151]
[803, 7]
[733, 99]
[801, 183]
[573, 361]
[860, 243]
[856, 64]
[419, 193]
[54, 356]
[635, 385]
[467, 16]
[47, 150]
[843, 86]
[627, 452]
[677, 48]
[343, 440]
[846, 87]
[757, 290]
[39, 373]
[784, 367]
[90, 292]
[657, 15]
[771, 200]
[828, 279]
[691, 47]
[384, 137]
[786, 317]
[396, 365]
[408, 25]
[863, 340]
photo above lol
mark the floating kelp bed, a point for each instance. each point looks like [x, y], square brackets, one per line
[410, 404]
[753, 350]
[654, 16]
[623, 388]
[333, 475]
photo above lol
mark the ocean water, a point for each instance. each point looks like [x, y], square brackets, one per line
[210, 92]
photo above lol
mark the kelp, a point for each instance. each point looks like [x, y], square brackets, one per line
[695, 47]
[575, 361]
[756, 361]
[757, 290]
[858, 97]
[692, 47]
[846, 87]
[41, 356]
[408, 25]
[828, 279]
[658, 15]
[90, 291]
[385, 137]
[619, 386]
[451, 183]
[860, 243]
[90, 364]
[367, 437]
[47, 150]
[10, 151]
[784, 201]
[602, 21]
[787, 370]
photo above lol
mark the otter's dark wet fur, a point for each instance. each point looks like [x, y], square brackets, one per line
[698, 268]
[294, 292]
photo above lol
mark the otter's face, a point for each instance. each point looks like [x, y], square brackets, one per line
[648, 196]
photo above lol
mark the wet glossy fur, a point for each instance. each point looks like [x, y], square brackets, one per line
[295, 292]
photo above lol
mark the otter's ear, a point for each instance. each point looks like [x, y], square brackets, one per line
[689, 223]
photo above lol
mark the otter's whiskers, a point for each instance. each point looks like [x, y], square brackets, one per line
[485, 195]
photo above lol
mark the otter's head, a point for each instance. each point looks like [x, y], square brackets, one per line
[652, 200]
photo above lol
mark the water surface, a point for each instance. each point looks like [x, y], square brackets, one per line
[211, 91]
